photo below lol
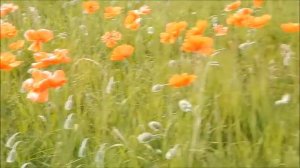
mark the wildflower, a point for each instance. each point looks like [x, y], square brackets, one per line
[110, 85]
[16, 45]
[245, 11]
[145, 137]
[62, 35]
[144, 10]
[240, 19]
[233, 6]
[44, 59]
[41, 81]
[220, 30]
[259, 22]
[172, 63]
[43, 118]
[122, 52]
[185, 105]
[11, 140]
[157, 87]
[69, 103]
[258, 3]
[8, 61]
[110, 38]
[82, 149]
[150, 30]
[284, 99]
[290, 27]
[111, 12]
[171, 152]
[199, 29]
[154, 125]
[90, 7]
[7, 30]
[173, 30]
[7, 8]
[198, 44]
[38, 37]
[286, 53]
[180, 80]
[132, 20]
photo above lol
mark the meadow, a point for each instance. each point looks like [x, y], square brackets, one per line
[238, 108]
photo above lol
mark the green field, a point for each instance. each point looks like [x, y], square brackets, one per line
[235, 120]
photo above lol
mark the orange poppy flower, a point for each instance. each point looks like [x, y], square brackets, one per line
[57, 79]
[144, 10]
[7, 8]
[198, 30]
[245, 11]
[111, 12]
[290, 27]
[181, 80]
[259, 22]
[233, 6]
[220, 30]
[41, 81]
[239, 19]
[8, 61]
[173, 30]
[198, 44]
[132, 20]
[7, 30]
[40, 97]
[16, 45]
[258, 3]
[90, 7]
[111, 38]
[38, 37]
[122, 52]
[44, 59]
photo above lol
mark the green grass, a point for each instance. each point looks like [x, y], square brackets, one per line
[234, 122]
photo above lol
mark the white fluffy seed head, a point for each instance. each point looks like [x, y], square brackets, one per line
[185, 105]
[145, 137]
[245, 45]
[150, 30]
[11, 140]
[284, 99]
[69, 123]
[154, 125]
[11, 157]
[26, 164]
[109, 85]
[43, 118]
[157, 88]
[82, 149]
[99, 156]
[171, 153]
[69, 103]
[172, 63]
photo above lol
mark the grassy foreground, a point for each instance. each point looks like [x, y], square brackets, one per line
[234, 121]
